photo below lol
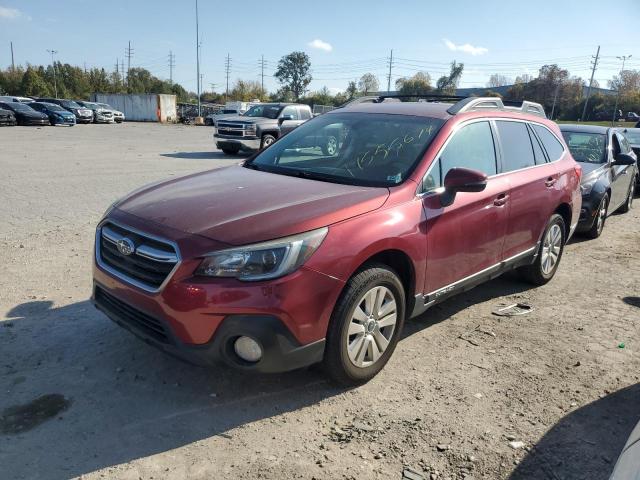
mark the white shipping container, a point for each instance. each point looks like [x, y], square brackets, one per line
[141, 107]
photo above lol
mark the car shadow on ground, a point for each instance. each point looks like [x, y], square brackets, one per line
[586, 443]
[129, 400]
[633, 301]
[213, 155]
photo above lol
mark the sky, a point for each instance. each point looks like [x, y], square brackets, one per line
[344, 39]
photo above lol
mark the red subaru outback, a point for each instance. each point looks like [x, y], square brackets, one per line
[318, 248]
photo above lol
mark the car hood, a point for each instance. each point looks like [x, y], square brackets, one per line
[628, 465]
[243, 119]
[591, 170]
[237, 205]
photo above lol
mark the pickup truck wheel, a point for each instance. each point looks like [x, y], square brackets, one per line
[267, 140]
[365, 326]
[549, 253]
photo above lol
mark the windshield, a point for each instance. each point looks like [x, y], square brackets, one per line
[352, 148]
[70, 104]
[104, 105]
[268, 111]
[17, 107]
[633, 136]
[90, 105]
[586, 147]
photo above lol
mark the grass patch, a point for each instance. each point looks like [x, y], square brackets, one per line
[602, 124]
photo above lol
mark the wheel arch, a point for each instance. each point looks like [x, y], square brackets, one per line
[564, 210]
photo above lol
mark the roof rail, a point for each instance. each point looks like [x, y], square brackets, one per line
[470, 104]
[426, 97]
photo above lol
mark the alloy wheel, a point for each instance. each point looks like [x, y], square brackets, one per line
[372, 325]
[551, 248]
[332, 145]
[602, 214]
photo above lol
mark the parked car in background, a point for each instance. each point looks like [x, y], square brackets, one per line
[10, 98]
[83, 115]
[632, 117]
[118, 116]
[100, 113]
[298, 256]
[7, 118]
[227, 112]
[609, 173]
[25, 115]
[604, 115]
[633, 136]
[57, 115]
[259, 126]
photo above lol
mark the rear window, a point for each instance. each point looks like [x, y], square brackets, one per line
[551, 144]
[517, 151]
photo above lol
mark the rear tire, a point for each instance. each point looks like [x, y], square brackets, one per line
[629, 201]
[550, 251]
[365, 325]
[601, 217]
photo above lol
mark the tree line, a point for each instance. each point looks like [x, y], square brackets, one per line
[554, 87]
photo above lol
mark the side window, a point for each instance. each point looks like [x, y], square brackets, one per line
[471, 147]
[305, 114]
[290, 110]
[551, 144]
[517, 151]
[537, 149]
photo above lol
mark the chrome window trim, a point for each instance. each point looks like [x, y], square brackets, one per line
[123, 277]
[455, 130]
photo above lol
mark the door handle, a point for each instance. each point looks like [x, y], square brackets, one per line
[550, 182]
[500, 200]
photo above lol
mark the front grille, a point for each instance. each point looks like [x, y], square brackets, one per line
[148, 263]
[131, 316]
[231, 129]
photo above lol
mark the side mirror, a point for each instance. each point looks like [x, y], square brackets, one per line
[284, 118]
[624, 159]
[461, 180]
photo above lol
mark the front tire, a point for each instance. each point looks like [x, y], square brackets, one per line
[365, 326]
[550, 251]
[601, 217]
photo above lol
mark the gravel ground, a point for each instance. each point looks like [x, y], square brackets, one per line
[462, 385]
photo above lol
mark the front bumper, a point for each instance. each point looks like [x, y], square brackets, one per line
[34, 121]
[198, 319]
[84, 119]
[588, 212]
[245, 144]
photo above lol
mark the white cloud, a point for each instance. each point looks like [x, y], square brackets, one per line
[10, 13]
[320, 45]
[466, 48]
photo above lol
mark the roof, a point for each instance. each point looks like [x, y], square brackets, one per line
[576, 127]
[421, 109]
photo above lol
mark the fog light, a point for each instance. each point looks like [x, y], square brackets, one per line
[248, 349]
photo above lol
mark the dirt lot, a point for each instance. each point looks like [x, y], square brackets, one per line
[462, 385]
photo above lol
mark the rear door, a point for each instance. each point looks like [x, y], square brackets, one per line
[533, 181]
[465, 237]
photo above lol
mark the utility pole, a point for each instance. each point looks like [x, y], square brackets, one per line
[262, 73]
[172, 63]
[624, 58]
[122, 71]
[593, 71]
[555, 98]
[227, 69]
[13, 64]
[198, 78]
[129, 53]
[53, 63]
[117, 70]
[389, 76]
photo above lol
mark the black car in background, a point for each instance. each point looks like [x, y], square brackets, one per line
[83, 115]
[25, 115]
[609, 170]
[57, 115]
[7, 117]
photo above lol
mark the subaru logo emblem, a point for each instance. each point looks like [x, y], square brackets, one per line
[125, 246]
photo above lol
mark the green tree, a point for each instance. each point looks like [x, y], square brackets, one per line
[33, 84]
[247, 90]
[352, 90]
[294, 73]
[447, 84]
[368, 83]
[418, 84]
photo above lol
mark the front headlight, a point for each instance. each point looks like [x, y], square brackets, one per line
[263, 261]
[250, 129]
[586, 187]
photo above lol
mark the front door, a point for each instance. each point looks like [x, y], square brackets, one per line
[465, 237]
[620, 174]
